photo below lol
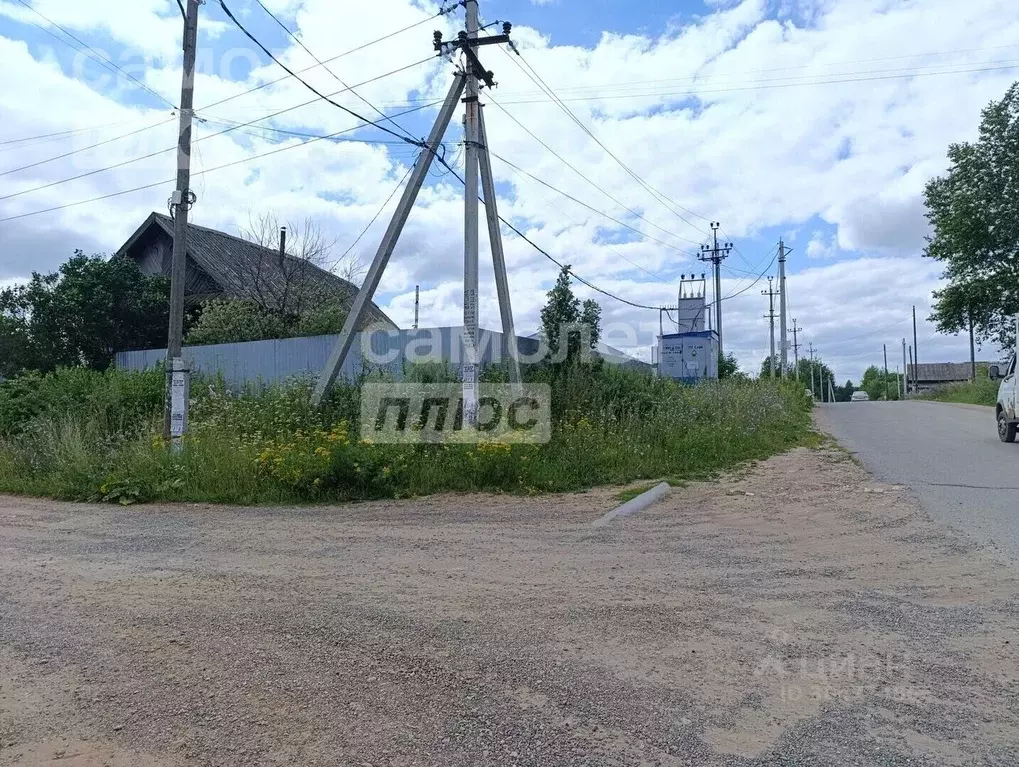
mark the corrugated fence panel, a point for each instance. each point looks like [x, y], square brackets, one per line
[279, 360]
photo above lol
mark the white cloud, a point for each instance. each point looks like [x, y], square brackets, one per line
[757, 148]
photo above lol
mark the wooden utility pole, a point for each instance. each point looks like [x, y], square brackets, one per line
[905, 373]
[178, 379]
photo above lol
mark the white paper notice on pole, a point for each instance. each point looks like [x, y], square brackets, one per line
[178, 403]
[470, 394]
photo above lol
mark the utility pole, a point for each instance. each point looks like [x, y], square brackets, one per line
[175, 419]
[905, 372]
[912, 364]
[810, 348]
[716, 255]
[477, 158]
[916, 356]
[770, 316]
[796, 350]
[469, 367]
[885, 348]
[783, 333]
[972, 351]
[417, 304]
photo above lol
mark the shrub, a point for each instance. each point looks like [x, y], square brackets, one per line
[81, 435]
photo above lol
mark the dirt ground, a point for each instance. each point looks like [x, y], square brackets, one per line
[795, 614]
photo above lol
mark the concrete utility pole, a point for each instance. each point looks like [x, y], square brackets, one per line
[782, 309]
[796, 350]
[770, 316]
[810, 348]
[469, 366]
[175, 420]
[417, 304]
[885, 348]
[716, 255]
[477, 158]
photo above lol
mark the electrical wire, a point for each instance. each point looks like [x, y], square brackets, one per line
[336, 77]
[601, 90]
[696, 93]
[590, 208]
[307, 85]
[205, 138]
[374, 218]
[102, 60]
[670, 205]
[579, 173]
[85, 149]
[209, 170]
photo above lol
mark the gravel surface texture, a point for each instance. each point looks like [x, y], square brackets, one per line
[795, 614]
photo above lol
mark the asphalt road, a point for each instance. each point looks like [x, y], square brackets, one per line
[950, 455]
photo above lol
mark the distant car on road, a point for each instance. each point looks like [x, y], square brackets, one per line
[860, 396]
[1005, 410]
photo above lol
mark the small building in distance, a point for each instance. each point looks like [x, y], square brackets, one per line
[691, 355]
[220, 265]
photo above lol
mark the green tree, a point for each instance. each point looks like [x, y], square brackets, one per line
[82, 315]
[844, 393]
[233, 320]
[873, 382]
[974, 216]
[822, 375]
[565, 321]
[728, 367]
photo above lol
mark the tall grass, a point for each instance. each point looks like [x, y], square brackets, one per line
[269, 446]
[983, 391]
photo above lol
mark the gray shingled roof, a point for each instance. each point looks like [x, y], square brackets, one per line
[244, 269]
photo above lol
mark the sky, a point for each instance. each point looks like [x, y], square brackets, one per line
[817, 122]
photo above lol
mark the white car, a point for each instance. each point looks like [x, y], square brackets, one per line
[1005, 410]
[860, 396]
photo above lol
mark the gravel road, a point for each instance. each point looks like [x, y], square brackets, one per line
[796, 614]
[949, 454]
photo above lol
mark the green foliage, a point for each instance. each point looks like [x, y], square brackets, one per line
[982, 391]
[873, 382]
[231, 320]
[974, 215]
[564, 314]
[94, 436]
[81, 315]
[728, 367]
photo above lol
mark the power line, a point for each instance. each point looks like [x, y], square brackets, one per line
[659, 196]
[693, 79]
[211, 136]
[307, 85]
[579, 173]
[202, 173]
[336, 77]
[601, 88]
[377, 214]
[693, 93]
[590, 208]
[85, 149]
[103, 60]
